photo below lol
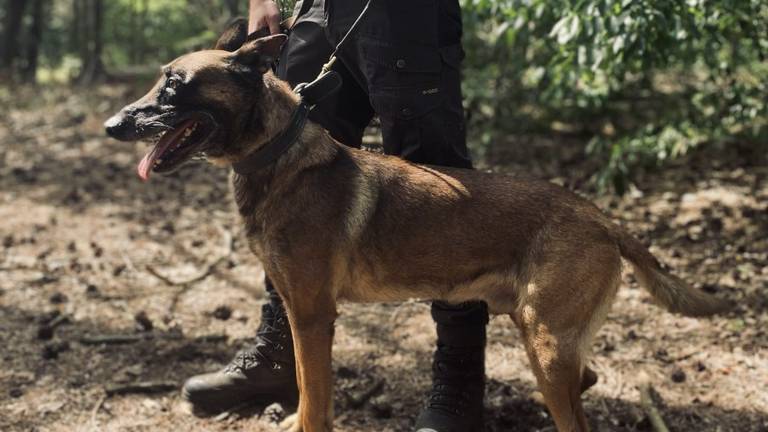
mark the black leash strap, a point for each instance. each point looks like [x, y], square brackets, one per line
[326, 83]
[332, 59]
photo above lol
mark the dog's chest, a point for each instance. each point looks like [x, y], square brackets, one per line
[249, 195]
[256, 245]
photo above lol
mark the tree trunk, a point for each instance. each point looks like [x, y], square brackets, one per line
[33, 43]
[98, 36]
[11, 40]
[142, 30]
[232, 7]
[74, 28]
[93, 68]
[83, 26]
[135, 29]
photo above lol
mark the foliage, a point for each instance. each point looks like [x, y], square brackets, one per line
[646, 80]
[142, 32]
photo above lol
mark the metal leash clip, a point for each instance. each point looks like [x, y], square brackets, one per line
[322, 87]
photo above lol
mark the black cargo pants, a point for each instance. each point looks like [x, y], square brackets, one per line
[402, 65]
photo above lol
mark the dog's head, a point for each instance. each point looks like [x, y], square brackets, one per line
[204, 103]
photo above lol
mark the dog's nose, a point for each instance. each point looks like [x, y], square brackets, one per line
[118, 126]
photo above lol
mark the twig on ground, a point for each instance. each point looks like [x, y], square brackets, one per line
[208, 271]
[46, 329]
[128, 261]
[113, 339]
[59, 320]
[17, 268]
[159, 275]
[685, 356]
[213, 338]
[646, 401]
[187, 285]
[358, 400]
[228, 413]
[204, 274]
[95, 411]
[147, 387]
[120, 339]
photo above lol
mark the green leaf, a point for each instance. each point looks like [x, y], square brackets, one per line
[566, 29]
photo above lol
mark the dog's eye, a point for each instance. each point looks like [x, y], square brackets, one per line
[173, 83]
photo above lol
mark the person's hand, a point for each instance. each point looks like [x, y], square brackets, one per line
[264, 13]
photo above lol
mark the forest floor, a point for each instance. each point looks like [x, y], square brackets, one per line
[83, 240]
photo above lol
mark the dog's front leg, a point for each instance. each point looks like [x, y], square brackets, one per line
[312, 326]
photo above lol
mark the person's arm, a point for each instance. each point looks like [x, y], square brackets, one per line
[263, 13]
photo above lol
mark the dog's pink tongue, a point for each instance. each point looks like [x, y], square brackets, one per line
[168, 138]
[145, 166]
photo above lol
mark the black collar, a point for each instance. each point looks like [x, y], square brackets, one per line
[269, 152]
[310, 95]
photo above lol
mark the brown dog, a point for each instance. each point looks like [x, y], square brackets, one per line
[332, 223]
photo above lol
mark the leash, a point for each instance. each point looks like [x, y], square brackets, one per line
[342, 42]
[310, 94]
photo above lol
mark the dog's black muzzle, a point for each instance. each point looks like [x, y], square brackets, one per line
[134, 123]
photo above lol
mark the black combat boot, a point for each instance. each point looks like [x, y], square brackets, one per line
[262, 373]
[455, 403]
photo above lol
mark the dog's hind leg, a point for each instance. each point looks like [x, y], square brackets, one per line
[564, 305]
[557, 365]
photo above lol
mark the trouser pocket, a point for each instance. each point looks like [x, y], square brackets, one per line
[416, 91]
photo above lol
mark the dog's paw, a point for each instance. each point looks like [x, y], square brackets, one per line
[291, 423]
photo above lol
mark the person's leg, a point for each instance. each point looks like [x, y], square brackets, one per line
[265, 371]
[262, 372]
[455, 402]
[409, 55]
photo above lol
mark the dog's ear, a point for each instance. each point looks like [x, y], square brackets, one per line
[234, 36]
[260, 53]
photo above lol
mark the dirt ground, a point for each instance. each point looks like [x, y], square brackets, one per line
[87, 250]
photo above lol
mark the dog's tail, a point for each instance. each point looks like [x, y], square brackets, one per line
[669, 291]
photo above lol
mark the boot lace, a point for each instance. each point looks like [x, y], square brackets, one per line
[452, 370]
[271, 337]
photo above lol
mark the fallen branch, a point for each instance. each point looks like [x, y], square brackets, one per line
[113, 339]
[121, 339]
[148, 387]
[18, 268]
[213, 338]
[646, 401]
[357, 401]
